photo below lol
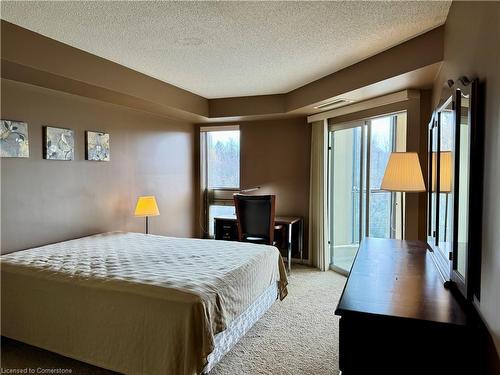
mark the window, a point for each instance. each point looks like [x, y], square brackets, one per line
[223, 159]
[220, 172]
[382, 137]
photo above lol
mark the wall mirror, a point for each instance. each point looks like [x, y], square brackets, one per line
[465, 268]
[455, 186]
[462, 166]
[440, 191]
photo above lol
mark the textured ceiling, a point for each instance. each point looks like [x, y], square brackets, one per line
[223, 49]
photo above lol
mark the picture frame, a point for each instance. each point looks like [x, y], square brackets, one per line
[14, 139]
[97, 146]
[59, 143]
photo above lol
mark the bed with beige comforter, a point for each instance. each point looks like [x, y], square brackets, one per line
[134, 303]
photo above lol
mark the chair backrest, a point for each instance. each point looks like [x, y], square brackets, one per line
[255, 214]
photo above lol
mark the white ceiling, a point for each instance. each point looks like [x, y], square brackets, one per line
[224, 49]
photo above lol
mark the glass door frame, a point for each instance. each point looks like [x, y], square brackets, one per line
[330, 165]
[364, 180]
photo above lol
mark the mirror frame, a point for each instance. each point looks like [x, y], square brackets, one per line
[442, 260]
[469, 284]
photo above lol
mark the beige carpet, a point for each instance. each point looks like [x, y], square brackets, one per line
[296, 336]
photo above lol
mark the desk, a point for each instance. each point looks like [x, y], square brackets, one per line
[226, 229]
[398, 318]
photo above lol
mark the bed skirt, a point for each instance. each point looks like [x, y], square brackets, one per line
[228, 338]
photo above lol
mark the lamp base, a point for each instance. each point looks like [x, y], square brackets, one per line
[147, 225]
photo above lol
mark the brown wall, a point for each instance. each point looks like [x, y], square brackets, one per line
[471, 48]
[45, 201]
[275, 155]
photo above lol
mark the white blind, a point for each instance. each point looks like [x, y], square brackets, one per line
[219, 128]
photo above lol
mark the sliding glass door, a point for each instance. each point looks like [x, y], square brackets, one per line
[358, 155]
[346, 194]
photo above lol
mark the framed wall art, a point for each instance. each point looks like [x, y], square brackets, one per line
[59, 143]
[97, 146]
[14, 141]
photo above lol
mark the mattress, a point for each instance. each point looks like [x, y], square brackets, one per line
[134, 303]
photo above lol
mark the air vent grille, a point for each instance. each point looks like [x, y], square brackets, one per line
[334, 103]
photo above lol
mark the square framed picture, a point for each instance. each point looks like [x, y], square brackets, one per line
[14, 141]
[59, 143]
[97, 146]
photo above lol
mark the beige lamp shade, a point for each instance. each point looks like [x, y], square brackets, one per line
[444, 171]
[146, 206]
[403, 173]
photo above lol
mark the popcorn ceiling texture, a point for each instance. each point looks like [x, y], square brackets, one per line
[224, 49]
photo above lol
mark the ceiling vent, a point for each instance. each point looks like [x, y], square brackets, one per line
[334, 103]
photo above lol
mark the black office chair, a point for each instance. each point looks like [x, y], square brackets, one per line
[255, 216]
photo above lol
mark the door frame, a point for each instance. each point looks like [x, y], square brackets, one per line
[364, 191]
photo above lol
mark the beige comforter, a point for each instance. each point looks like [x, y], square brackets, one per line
[131, 302]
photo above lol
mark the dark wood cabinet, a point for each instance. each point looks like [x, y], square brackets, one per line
[226, 229]
[398, 318]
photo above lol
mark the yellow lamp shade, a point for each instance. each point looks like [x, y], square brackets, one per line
[444, 171]
[146, 206]
[403, 173]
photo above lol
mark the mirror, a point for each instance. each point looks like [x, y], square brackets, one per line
[432, 193]
[455, 175]
[440, 177]
[444, 184]
[462, 179]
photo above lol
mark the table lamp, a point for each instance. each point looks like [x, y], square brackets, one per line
[403, 174]
[146, 206]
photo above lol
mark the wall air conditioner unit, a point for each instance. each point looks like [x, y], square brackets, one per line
[334, 104]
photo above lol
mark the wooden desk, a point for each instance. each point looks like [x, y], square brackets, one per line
[226, 229]
[398, 318]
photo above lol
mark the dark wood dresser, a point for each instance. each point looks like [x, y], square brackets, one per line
[398, 318]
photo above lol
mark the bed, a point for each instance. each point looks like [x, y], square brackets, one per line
[139, 304]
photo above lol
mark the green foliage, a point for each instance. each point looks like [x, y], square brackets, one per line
[224, 163]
